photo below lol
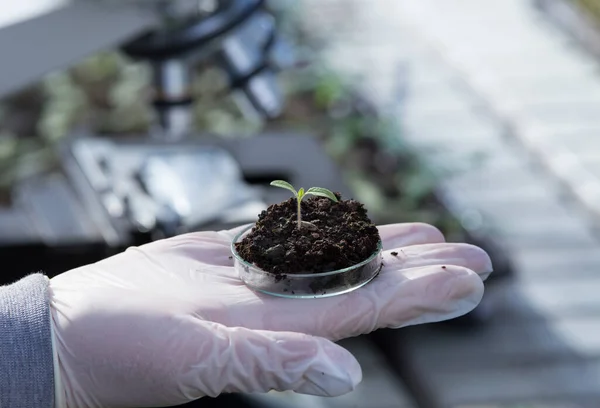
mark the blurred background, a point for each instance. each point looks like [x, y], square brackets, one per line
[126, 121]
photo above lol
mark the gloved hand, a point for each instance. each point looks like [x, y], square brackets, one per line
[170, 322]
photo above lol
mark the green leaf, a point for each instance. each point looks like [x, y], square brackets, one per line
[284, 184]
[322, 192]
[300, 193]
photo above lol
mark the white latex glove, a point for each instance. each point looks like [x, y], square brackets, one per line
[170, 322]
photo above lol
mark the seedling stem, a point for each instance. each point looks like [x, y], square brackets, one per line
[300, 194]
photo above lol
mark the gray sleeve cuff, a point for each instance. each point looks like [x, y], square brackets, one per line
[26, 359]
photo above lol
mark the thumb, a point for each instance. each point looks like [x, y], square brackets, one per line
[247, 360]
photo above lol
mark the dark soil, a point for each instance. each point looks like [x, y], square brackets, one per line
[342, 236]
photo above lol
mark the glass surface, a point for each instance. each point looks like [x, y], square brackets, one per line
[308, 285]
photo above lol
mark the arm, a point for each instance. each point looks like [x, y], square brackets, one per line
[26, 356]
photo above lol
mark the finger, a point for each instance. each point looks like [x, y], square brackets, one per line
[466, 255]
[401, 298]
[396, 298]
[429, 294]
[243, 360]
[400, 235]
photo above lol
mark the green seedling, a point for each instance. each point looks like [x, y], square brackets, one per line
[300, 194]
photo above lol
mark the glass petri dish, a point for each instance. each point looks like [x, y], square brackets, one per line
[306, 285]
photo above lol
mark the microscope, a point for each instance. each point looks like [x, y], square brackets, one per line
[111, 193]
